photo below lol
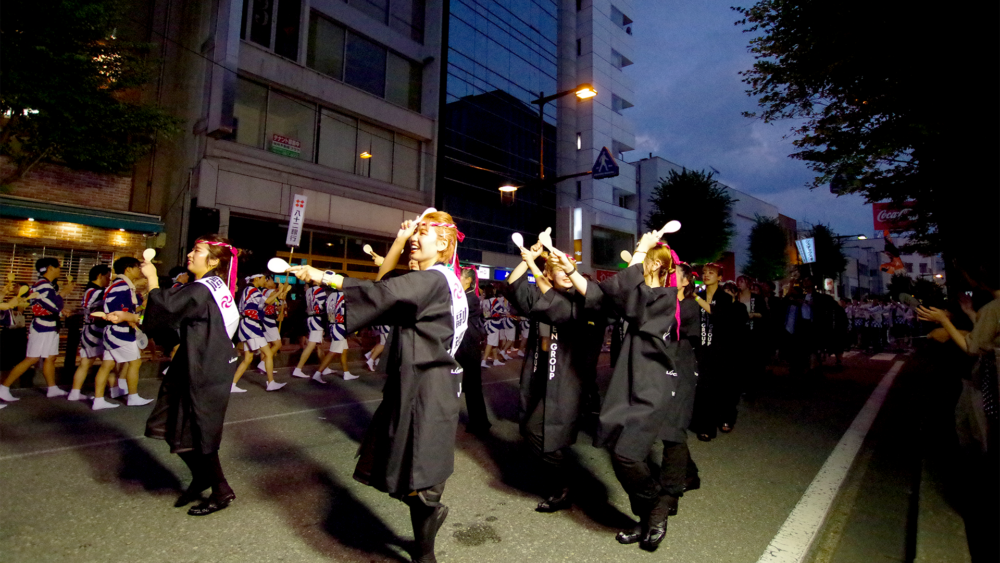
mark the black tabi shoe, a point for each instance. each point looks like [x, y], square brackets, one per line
[634, 535]
[192, 494]
[704, 437]
[425, 532]
[213, 504]
[653, 539]
[726, 427]
[555, 503]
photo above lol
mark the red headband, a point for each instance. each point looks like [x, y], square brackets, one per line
[232, 263]
[460, 236]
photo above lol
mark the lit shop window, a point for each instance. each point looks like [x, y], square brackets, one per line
[360, 62]
[273, 24]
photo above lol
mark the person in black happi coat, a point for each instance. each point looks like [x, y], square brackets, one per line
[191, 407]
[409, 448]
[469, 355]
[651, 394]
[715, 403]
[551, 385]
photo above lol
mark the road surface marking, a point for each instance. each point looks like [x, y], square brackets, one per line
[227, 423]
[797, 534]
[850, 353]
[884, 356]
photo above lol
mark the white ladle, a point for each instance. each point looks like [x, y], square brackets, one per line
[626, 256]
[149, 254]
[22, 290]
[545, 237]
[670, 227]
[518, 240]
[367, 249]
[278, 266]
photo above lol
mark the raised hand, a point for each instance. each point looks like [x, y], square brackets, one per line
[407, 229]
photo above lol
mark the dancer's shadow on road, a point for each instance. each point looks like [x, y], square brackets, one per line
[117, 457]
[311, 500]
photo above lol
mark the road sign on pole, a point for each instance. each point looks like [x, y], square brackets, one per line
[296, 220]
[605, 166]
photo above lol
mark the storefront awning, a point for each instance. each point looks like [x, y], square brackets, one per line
[24, 208]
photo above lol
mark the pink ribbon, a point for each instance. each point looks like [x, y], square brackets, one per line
[233, 263]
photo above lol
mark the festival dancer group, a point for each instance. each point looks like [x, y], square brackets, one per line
[431, 355]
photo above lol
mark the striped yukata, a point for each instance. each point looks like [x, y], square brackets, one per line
[335, 314]
[92, 335]
[251, 329]
[315, 308]
[120, 339]
[43, 337]
[271, 333]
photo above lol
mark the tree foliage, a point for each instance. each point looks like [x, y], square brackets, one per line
[830, 259]
[899, 283]
[702, 206]
[768, 260]
[71, 87]
[872, 114]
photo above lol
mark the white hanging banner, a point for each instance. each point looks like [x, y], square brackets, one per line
[296, 220]
[807, 250]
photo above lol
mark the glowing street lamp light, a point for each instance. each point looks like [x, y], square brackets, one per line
[582, 91]
[585, 91]
[507, 188]
[366, 154]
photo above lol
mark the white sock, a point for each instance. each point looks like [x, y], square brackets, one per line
[274, 385]
[164, 372]
[368, 354]
[117, 392]
[100, 403]
[299, 373]
[483, 364]
[123, 384]
[134, 400]
[235, 389]
[371, 364]
[5, 394]
[349, 376]
[261, 366]
[74, 395]
[318, 378]
[55, 392]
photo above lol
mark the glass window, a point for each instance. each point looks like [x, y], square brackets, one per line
[290, 126]
[407, 17]
[923, 267]
[606, 247]
[249, 112]
[403, 82]
[377, 9]
[327, 244]
[286, 34]
[326, 47]
[406, 162]
[261, 16]
[377, 142]
[338, 136]
[365, 66]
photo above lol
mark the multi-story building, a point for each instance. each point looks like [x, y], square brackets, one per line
[334, 100]
[595, 217]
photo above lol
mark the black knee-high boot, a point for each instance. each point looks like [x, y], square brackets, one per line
[427, 515]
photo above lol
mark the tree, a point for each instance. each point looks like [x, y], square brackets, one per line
[71, 87]
[899, 283]
[872, 115]
[768, 259]
[702, 205]
[830, 259]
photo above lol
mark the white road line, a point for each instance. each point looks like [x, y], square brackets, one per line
[228, 423]
[884, 356]
[796, 536]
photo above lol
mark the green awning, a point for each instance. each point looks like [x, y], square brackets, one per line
[24, 208]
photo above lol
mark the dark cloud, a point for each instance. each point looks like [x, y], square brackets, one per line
[689, 104]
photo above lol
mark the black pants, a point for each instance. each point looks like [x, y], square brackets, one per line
[206, 471]
[472, 386]
[638, 480]
[553, 476]
[717, 394]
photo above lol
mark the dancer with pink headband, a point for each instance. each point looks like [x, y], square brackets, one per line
[191, 407]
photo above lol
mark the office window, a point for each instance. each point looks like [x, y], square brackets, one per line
[273, 22]
[326, 47]
[407, 17]
[377, 9]
[923, 267]
[579, 189]
[618, 103]
[606, 246]
[579, 5]
[579, 47]
[403, 82]
[291, 124]
[377, 142]
[365, 65]
[406, 162]
[338, 137]
[249, 113]
[909, 267]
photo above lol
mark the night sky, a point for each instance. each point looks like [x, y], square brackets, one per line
[688, 105]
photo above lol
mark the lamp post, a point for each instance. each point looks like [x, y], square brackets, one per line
[583, 92]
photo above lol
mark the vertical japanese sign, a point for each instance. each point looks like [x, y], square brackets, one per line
[296, 220]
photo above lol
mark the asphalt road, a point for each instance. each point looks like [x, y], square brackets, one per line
[83, 486]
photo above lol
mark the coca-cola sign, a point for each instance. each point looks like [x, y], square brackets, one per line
[892, 216]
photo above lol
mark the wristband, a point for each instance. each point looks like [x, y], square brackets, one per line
[568, 274]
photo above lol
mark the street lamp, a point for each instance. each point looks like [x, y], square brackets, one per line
[583, 92]
[857, 237]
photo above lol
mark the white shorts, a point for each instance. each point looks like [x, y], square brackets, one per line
[88, 351]
[316, 336]
[338, 346]
[42, 344]
[126, 353]
[492, 338]
[382, 338]
[255, 343]
[271, 334]
[508, 334]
